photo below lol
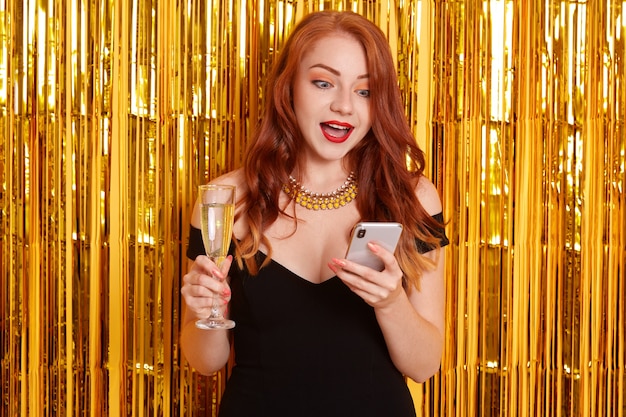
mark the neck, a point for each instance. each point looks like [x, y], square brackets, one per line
[321, 179]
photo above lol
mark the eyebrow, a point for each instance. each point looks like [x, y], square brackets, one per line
[334, 71]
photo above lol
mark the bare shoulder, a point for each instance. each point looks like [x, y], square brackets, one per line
[235, 177]
[428, 196]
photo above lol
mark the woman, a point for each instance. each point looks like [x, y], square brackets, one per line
[316, 334]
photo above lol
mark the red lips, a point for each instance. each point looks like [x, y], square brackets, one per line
[336, 132]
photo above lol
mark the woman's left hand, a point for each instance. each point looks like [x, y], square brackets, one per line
[378, 289]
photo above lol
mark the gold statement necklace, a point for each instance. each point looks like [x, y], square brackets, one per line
[324, 201]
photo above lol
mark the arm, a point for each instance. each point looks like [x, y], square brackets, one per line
[412, 324]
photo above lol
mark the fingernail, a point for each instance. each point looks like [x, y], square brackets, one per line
[373, 247]
[332, 267]
[339, 262]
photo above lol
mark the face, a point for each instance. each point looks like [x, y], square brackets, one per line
[331, 97]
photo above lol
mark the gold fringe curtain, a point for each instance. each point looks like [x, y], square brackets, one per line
[112, 112]
[529, 111]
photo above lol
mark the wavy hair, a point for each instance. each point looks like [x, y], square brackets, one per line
[387, 162]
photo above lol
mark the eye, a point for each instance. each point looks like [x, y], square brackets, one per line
[363, 93]
[322, 84]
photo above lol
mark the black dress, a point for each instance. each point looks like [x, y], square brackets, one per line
[305, 349]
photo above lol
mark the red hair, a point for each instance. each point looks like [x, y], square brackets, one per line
[386, 180]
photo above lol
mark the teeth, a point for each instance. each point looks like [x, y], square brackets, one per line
[338, 127]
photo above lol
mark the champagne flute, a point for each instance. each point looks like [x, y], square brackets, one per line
[217, 203]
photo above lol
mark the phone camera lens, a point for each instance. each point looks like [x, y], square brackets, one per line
[360, 233]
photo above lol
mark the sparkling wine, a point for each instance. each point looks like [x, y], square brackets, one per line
[217, 229]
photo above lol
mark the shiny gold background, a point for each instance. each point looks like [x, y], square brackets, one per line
[112, 112]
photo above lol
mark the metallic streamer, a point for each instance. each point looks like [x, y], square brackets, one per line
[530, 125]
[111, 113]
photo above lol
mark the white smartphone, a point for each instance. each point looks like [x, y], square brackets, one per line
[387, 234]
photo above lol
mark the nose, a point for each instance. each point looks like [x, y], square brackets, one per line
[342, 102]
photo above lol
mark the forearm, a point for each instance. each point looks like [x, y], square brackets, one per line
[415, 345]
[207, 351]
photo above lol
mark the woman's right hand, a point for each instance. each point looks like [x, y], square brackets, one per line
[205, 351]
[202, 283]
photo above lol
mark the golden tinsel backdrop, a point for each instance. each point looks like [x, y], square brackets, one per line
[112, 112]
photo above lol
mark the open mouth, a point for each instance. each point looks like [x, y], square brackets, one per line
[335, 132]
